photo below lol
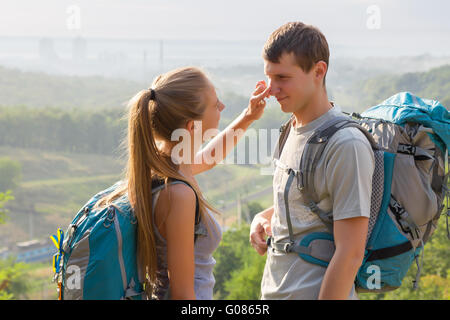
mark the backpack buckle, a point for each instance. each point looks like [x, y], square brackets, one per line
[109, 217]
[288, 247]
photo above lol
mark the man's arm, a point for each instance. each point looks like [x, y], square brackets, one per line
[348, 174]
[350, 239]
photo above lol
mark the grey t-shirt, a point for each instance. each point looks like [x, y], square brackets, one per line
[204, 247]
[343, 182]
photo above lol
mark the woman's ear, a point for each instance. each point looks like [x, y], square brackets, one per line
[190, 126]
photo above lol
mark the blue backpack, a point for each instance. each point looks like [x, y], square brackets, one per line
[410, 138]
[97, 256]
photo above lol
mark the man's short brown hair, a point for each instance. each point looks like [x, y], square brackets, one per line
[306, 42]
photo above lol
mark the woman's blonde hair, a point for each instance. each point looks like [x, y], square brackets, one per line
[179, 96]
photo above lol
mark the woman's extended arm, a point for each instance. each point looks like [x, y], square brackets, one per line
[219, 147]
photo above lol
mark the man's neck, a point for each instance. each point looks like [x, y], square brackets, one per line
[316, 108]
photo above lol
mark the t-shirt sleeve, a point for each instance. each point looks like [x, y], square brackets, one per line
[349, 171]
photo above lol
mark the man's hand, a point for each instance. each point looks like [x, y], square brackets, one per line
[259, 229]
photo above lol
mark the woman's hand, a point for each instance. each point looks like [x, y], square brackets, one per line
[257, 101]
[228, 138]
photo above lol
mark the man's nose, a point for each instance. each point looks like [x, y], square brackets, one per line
[274, 90]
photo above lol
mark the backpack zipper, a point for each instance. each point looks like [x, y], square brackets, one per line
[119, 245]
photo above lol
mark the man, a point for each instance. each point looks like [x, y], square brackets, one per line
[296, 62]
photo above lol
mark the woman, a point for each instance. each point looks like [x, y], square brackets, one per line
[182, 99]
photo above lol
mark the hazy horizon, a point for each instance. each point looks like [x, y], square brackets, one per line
[417, 25]
[135, 39]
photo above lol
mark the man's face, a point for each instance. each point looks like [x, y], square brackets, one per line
[291, 86]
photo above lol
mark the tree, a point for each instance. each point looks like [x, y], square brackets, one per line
[10, 174]
[253, 209]
[4, 197]
[13, 278]
[229, 257]
[245, 283]
[239, 268]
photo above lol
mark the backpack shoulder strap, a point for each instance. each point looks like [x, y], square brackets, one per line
[316, 144]
[312, 153]
[284, 133]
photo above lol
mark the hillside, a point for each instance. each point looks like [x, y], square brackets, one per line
[42, 90]
[68, 155]
[55, 185]
[433, 84]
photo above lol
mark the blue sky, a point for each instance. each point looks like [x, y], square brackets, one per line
[344, 22]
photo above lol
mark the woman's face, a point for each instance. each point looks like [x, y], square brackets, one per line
[214, 107]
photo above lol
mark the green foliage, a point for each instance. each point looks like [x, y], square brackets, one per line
[59, 130]
[41, 90]
[92, 131]
[4, 197]
[433, 84]
[10, 174]
[245, 283]
[253, 209]
[14, 280]
[238, 270]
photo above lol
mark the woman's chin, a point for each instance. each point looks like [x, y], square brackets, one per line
[209, 134]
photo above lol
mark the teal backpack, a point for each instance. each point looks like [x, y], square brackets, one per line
[410, 138]
[97, 256]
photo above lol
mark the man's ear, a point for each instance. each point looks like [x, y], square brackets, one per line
[320, 70]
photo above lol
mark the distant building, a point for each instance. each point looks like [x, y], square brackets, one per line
[30, 251]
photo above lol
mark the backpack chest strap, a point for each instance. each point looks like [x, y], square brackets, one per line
[316, 247]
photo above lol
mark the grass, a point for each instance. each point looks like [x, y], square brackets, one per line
[42, 287]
